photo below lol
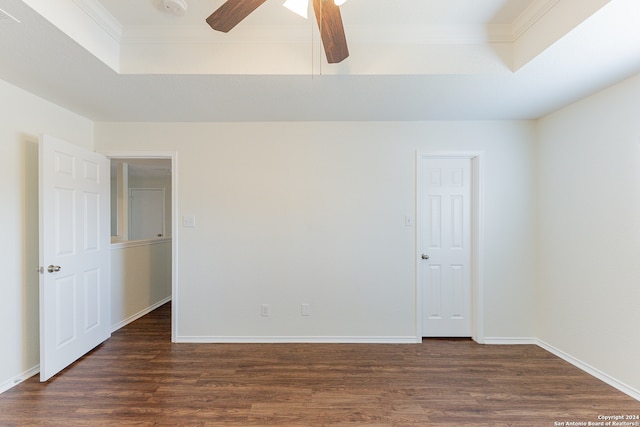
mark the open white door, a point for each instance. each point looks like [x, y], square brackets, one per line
[75, 257]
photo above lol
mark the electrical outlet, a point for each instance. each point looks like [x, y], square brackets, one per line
[305, 310]
[265, 310]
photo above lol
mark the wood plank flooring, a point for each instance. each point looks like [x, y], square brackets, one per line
[139, 378]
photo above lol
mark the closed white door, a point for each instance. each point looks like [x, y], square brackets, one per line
[146, 213]
[445, 246]
[75, 310]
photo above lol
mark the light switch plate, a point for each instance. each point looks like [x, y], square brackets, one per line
[265, 310]
[189, 221]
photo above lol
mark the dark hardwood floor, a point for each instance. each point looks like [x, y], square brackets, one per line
[139, 378]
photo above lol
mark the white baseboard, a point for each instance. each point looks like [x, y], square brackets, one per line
[19, 378]
[510, 341]
[139, 314]
[297, 340]
[628, 390]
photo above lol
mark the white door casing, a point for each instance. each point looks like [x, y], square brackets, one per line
[447, 212]
[175, 232]
[74, 253]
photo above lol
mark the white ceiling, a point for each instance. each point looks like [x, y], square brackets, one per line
[117, 60]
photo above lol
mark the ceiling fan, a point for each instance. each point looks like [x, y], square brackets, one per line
[327, 14]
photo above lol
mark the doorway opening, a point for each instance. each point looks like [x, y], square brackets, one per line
[143, 234]
[140, 199]
[445, 279]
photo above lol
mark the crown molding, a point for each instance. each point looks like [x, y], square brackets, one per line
[530, 16]
[493, 33]
[509, 33]
[101, 16]
[260, 34]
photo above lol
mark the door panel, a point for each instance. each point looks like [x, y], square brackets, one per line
[75, 243]
[92, 299]
[65, 319]
[91, 222]
[433, 295]
[445, 237]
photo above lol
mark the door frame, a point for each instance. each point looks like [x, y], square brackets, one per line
[477, 239]
[173, 156]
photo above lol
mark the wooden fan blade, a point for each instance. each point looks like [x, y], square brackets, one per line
[231, 13]
[331, 30]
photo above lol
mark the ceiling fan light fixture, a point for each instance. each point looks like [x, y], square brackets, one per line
[175, 7]
[299, 7]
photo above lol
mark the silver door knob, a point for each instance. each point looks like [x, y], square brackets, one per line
[425, 256]
[53, 268]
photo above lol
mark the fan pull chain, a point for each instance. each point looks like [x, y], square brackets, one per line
[320, 50]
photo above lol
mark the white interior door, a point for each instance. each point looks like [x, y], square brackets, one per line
[74, 253]
[146, 213]
[445, 245]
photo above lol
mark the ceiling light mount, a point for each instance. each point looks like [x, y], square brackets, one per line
[175, 7]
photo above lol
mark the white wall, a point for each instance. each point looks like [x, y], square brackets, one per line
[289, 213]
[23, 117]
[589, 243]
[140, 278]
[292, 213]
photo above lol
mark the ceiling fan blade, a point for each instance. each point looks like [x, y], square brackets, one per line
[231, 13]
[331, 30]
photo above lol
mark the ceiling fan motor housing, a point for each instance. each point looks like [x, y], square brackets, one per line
[175, 7]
